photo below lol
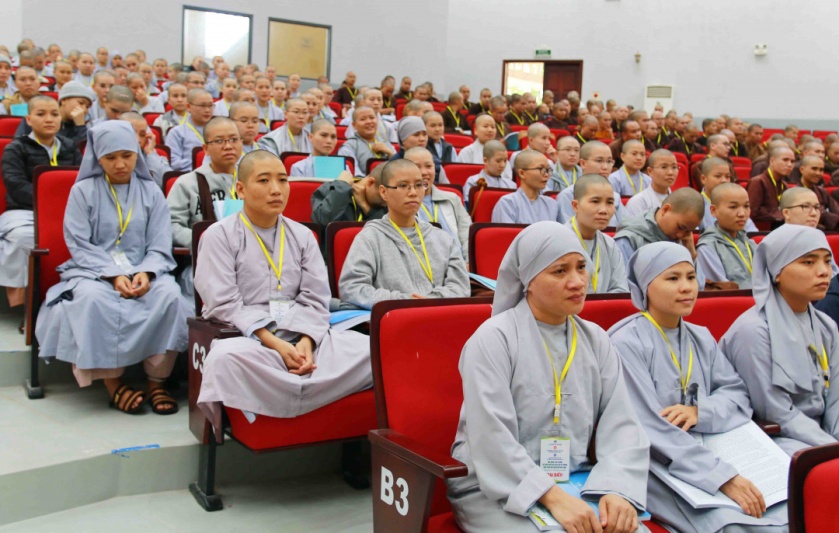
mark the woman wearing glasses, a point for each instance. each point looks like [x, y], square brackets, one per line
[399, 257]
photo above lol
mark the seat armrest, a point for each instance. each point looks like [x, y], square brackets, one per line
[770, 428]
[177, 250]
[440, 465]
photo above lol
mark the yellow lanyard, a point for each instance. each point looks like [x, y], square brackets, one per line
[426, 267]
[736, 148]
[500, 129]
[183, 119]
[195, 131]
[356, 210]
[581, 138]
[775, 183]
[278, 266]
[629, 179]
[573, 176]
[233, 187]
[596, 261]
[267, 117]
[823, 363]
[454, 116]
[742, 257]
[290, 136]
[352, 94]
[428, 213]
[54, 157]
[123, 225]
[531, 117]
[705, 195]
[682, 380]
[518, 118]
[558, 380]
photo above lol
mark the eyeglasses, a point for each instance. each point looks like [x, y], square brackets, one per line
[405, 187]
[807, 207]
[601, 162]
[545, 171]
[222, 142]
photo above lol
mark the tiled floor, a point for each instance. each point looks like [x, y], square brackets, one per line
[318, 504]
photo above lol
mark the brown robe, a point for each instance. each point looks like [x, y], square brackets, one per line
[502, 129]
[344, 96]
[453, 121]
[478, 108]
[678, 144]
[764, 197]
[553, 123]
[738, 149]
[755, 150]
[829, 219]
[517, 120]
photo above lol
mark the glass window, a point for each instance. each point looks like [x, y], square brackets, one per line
[216, 33]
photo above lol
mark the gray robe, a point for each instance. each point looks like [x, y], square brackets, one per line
[236, 283]
[84, 320]
[280, 140]
[644, 201]
[637, 231]
[381, 266]
[653, 383]
[620, 181]
[360, 151]
[492, 181]
[181, 140]
[451, 215]
[799, 406]
[708, 220]
[517, 208]
[719, 260]
[508, 402]
[611, 277]
[17, 239]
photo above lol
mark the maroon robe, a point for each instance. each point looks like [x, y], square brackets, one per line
[764, 197]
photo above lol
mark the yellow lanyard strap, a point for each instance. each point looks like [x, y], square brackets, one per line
[196, 132]
[823, 363]
[683, 380]
[573, 176]
[428, 213]
[596, 261]
[290, 136]
[742, 257]
[705, 195]
[629, 179]
[454, 116]
[123, 225]
[518, 118]
[233, 187]
[558, 381]
[426, 267]
[278, 266]
[183, 119]
[355, 209]
[775, 183]
[54, 157]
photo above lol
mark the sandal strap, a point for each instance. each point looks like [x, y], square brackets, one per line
[160, 395]
[125, 397]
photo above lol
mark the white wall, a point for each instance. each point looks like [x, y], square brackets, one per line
[371, 37]
[11, 23]
[704, 48]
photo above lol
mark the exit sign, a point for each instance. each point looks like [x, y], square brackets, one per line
[543, 53]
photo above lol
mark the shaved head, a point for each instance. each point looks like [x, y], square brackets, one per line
[393, 168]
[247, 164]
[585, 182]
[719, 192]
[591, 146]
[527, 159]
[686, 200]
[796, 196]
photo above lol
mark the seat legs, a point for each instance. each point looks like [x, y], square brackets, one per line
[354, 467]
[33, 384]
[204, 490]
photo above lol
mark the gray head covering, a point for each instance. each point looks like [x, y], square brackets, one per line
[106, 138]
[5, 59]
[648, 262]
[409, 126]
[532, 251]
[75, 89]
[788, 343]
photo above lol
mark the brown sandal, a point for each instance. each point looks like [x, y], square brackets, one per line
[124, 397]
[159, 398]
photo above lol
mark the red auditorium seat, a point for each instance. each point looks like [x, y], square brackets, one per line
[741, 162]
[336, 108]
[277, 124]
[452, 188]
[460, 172]
[51, 190]
[197, 157]
[813, 498]
[341, 131]
[488, 243]
[349, 418]
[339, 238]
[299, 207]
[682, 178]
[8, 125]
[158, 134]
[681, 158]
[482, 202]
[164, 151]
[151, 117]
[560, 133]
[457, 140]
[418, 417]
[169, 179]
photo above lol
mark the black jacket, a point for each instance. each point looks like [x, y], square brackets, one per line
[21, 157]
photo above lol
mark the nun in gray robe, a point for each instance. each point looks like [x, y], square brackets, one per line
[236, 283]
[84, 320]
[653, 382]
[718, 259]
[769, 346]
[509, 397]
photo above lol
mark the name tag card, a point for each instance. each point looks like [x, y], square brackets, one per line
[555, 458]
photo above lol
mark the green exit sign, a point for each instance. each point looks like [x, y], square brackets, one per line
[543, 54]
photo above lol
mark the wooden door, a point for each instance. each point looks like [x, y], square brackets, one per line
[561, 77]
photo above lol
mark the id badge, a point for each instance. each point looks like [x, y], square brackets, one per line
[232, 207]
[278, 309]
[122, 261]
[555, 457]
